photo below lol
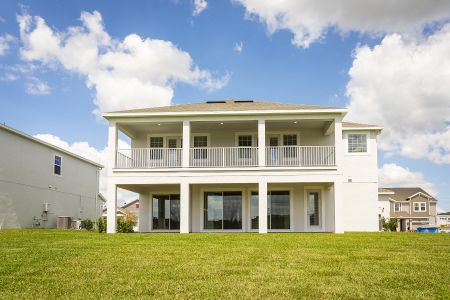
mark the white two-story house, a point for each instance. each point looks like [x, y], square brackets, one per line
[245, 166]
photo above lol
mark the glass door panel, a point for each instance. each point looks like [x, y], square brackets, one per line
[232, 210]
[279, 210]
[223, 210]
[174, 211]
[213, 211]
[313, 208]
[254, 210]
[166, 212]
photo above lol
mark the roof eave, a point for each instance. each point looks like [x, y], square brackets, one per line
[110, 115]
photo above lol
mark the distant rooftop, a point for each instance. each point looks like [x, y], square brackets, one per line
[403, 194]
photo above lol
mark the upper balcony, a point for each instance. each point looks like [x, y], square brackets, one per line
[293, 143]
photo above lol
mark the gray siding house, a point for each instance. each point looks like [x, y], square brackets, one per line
[40, 182]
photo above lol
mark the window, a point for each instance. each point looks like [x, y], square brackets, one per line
[156, 142]
[420, 206]
[245, 141]
[290, 140]
[397, 207]
[223, 210]
[278, 210]
[357, 143]
[57, 165]
[200, 141]
[313, 208]
[166, 212]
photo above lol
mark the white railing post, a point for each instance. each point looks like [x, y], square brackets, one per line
[186, 144]
[261, 142]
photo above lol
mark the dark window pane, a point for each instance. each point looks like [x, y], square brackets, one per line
[174, 212]
[57, 160]
[200, 141]
[279, 210]
[313, 208]
[161, 211]
[57, 170]
[213, 211]
[254, 211]
[232, 210]
[156, 142]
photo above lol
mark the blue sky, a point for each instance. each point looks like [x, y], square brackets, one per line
[269, 67]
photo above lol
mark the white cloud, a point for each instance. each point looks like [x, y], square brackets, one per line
[199, 6]
[131, 73]
[403, 84]
[5, 43]
[309, 20]
[36, 87]
[97, 155]
[393, 175]
[238, 47]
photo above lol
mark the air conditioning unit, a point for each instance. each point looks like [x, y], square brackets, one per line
[64, 222]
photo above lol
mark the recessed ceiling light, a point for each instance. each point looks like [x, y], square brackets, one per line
[295, 122]
[221, 123]
[159, 124]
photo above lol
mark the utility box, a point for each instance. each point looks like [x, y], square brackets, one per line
[64, 222]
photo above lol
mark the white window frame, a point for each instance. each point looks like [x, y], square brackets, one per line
[53, 165]
[366, 133]
[420, 206]
[280, 135]
[322, 214]
[400, 207]
[254, 138]
[208, 139]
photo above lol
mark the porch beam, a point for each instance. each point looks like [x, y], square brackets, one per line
[128, 131]
[111, 207]
[338, 207]
[328, 128]
[262, 197]
[185, 208]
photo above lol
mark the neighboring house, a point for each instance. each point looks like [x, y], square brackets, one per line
[245, 166]
[443, 219]
[384, 205]
[413, 207]
[39, 182]
[131, 207]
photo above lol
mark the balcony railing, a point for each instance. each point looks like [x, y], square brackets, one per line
[304, 156]
[144, 158]
[226, 157]
[223, 157]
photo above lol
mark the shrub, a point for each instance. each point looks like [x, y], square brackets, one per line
[390, 225]
[126, 223]
[101, 224]
[87, 224]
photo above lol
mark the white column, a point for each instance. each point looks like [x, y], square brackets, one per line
[186, 143]
[185, 208]
[262, 192]
[261, 143]
[338, 207]
[338, 143]
[112, 145]
[144, 212]
[111, 207]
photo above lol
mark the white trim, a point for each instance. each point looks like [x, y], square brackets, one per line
[36, 140]
[233, 112]
[400, 210]
[361, 128]
[60, 167]
[423, 194]
[321, 227]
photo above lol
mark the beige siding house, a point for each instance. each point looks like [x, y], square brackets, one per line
[40, 182]
[413, 207]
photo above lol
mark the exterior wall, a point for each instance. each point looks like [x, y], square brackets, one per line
[27, 182]
[227, 138]
[427, 212]
[297, 204]
[404, 212]
[384, 206]
[360, 175]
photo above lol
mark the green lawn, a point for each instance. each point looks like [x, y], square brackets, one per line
[80, 264]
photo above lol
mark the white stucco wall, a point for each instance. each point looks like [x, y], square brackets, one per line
[27, 182]
[384, 206]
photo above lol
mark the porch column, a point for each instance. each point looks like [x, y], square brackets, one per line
[185, 208]
[112, 145]
[186, 143]
[144, 212]
[338, 143]
[111, 207]
[262, 197]
[261, 143]
[338, 207]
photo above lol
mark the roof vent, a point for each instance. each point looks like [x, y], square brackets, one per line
[243, 101]
[213, 102]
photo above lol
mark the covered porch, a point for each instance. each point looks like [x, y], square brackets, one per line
[242, 207]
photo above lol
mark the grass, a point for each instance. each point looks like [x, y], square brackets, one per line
[79, 264]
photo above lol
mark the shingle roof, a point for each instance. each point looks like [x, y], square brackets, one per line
[444, 214]
[384, 191]
[227, 105]
[402, 194]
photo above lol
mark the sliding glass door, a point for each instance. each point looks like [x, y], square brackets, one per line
[278, 210]
[166, 212]
[223, 210]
